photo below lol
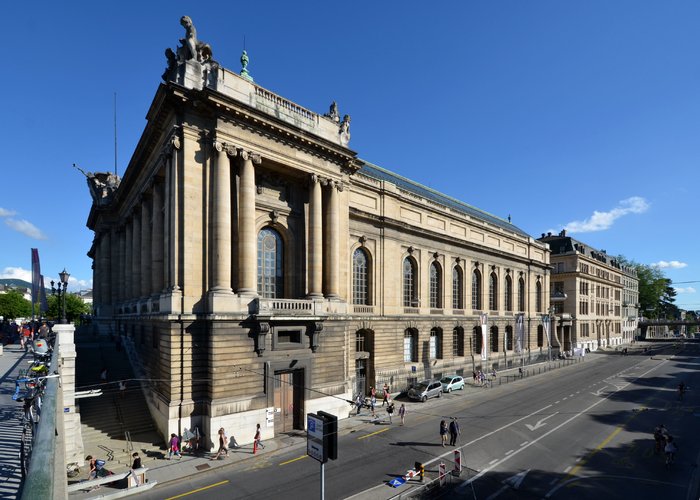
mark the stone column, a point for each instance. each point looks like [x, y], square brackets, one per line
[157, 244]
[333, 221]
[128, 259]
[247, 241]
[315, 261]
[146, 235]
[105, 272]
[221, 272]
[136, 255]
[121, 264]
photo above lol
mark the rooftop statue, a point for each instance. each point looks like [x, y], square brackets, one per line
[345, 130]
[102, 185]
[333, 112]
[190, 50]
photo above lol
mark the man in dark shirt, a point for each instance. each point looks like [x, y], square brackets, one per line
[134, 467]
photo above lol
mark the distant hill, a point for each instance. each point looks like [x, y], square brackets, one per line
[15, 282]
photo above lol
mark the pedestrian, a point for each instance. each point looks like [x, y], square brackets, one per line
[44, 331]
[373, 391]
[443, 432]
[670, 450]
[402, 414]
[659, 438]
[372, 404]
[174, 447]
[474, 376]
[222, 444]
[385, 393]
[359, 401]
[454, 431]
[257, 440]
[92, 466]
[390, 410]
[135, 465]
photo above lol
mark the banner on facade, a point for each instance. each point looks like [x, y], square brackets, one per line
[484, 318]
[36, 276]
[545, 326]
[519, 332]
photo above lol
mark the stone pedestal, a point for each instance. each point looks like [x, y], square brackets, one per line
[74, 451]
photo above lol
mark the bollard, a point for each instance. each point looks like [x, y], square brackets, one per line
[421, 470]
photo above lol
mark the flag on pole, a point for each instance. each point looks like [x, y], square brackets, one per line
[483, 319]
[519, 332]
[36, 276]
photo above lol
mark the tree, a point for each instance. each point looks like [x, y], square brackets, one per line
[14, 305]
[74, 307]
[655, 300]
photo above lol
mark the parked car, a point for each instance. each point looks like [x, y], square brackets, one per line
[425, 390]
[452, 383]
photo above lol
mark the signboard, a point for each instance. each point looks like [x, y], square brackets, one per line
[396, 482]
[314, 449]
[458, 463]
[314, 426]
[315, 443]
[270, 417]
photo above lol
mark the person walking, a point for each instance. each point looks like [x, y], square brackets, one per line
[402, 413]
[385, 394]
[443, 432]
[670, 450]
[135, 465]
[257, 440]
[454, 431]
[222, 444]
[390, 410]
[359, 401]
[174, 447]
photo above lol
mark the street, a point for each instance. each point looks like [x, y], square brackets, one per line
[583, 431]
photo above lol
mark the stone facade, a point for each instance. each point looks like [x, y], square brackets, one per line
[263, 271]
[599, 290]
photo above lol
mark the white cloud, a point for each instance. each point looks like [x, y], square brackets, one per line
[674, 264]
[6, 213]
[26, 228]
[16, 273]
[75, 283]
[601, 221]
[687, 289]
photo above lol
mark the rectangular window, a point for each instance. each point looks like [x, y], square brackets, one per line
[409, 343]
[289, 337]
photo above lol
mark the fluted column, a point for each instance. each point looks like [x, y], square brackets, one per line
[105, 273]
[247, 244]
[333, 241]
[136, 257]
[221, 272]
[146, 235]
[315, 238]
[157, 240]
[121, 264]
[128, 259]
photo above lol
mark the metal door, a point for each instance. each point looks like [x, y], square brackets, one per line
[284, 401]
[360, 376]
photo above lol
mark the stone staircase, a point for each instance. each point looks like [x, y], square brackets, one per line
[109, 420]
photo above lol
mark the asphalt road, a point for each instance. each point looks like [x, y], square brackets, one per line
[578, 432]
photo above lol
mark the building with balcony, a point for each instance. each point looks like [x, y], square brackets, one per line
[261, 270]
[593, 282]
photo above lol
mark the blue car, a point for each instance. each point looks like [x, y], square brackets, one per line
[452, 383]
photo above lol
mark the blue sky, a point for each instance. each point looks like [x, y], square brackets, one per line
[582, 115]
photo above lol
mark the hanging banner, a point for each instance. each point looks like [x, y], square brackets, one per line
[519, 332]
[545, 326]
[484, 318]
[36, 276]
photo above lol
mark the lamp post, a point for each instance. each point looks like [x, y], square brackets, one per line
[60, 291]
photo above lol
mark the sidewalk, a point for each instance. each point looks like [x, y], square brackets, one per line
[168, 471]
[11, 361]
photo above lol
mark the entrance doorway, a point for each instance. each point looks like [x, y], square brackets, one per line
[360, 376]
[288, 397]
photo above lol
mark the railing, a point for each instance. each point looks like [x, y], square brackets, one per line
[436, 311]
[411, 310]
[271, 306]
[43, 477]
[458, 311]
[284, 103]
[363, 309]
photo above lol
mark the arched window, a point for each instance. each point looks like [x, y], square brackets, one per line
[540, 335]
[493, 292]
[435, 286]
[476, 290]
[509, 338]
[410, 342]
[435, 345]
[509, 293]
[410, 296]
[477, 340]
[457, 288]
[458, 341]
[270, 264]
[538, 296]
[521, 295]
[494, 339]
[360, 277]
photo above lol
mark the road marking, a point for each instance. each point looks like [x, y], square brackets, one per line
[540, 423]
[524, 443]
[493, 461]
[567, 469]
[373, 433]
[197, 490]
[564, 399]
[571, 395]
[509, 452]
[294, 460]
[465, 483]
[556, 402]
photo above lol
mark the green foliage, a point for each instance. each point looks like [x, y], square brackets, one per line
[656, 295]
[14, 305]
[74, 308]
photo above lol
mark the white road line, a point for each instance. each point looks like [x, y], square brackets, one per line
[524, 443]
[571, 395]
[556, 402]
[567, 469]
[509, 452]
[493, 461]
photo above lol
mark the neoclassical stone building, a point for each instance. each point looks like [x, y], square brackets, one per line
[263, 271]
[601, 294]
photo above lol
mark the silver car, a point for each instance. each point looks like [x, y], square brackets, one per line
[425, 390]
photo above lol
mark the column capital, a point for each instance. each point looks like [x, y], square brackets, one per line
[250, 155]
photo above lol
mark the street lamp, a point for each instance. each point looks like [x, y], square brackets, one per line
[61, 293]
